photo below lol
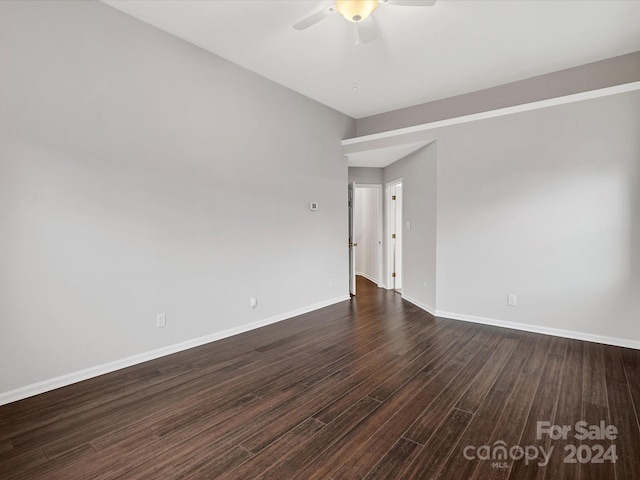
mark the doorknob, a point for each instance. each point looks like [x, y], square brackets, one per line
[355, 244]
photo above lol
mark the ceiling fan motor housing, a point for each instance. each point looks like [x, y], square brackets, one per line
[356, 10]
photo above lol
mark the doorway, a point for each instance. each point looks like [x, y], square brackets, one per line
[394, 235]
[365, 234]
[368, 232]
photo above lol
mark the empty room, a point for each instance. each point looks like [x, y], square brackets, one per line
[320, 239]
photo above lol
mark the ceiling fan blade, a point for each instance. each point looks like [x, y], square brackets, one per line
[409, 3]
[367, 30]
[314, 18]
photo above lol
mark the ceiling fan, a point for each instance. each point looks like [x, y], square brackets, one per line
[358, 12]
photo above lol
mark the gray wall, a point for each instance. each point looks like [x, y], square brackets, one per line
[592, 76]
[373, 176]
[139, 175]
[540, 204]
[544, 205]
[419, 206]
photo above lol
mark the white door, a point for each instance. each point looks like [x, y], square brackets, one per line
[394, 229]
[398, 240]
[352, 245]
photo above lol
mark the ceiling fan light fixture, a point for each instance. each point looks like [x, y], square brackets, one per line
[356, 10]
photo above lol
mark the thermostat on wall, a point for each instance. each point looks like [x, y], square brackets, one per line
[313, 206]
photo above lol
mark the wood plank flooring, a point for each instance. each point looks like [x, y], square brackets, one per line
[372, 388]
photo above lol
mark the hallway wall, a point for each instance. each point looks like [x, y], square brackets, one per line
[366, 232]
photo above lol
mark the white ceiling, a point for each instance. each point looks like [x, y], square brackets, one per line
[380, 157]
[421, 54]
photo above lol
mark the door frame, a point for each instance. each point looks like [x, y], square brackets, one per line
[389, 224]
[351, 200]
[380, 234]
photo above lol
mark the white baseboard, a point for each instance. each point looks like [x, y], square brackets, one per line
[527, 327]
[368, 277]
[70, 378]
[423, 306]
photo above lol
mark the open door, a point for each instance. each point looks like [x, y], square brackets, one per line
[394, 226]
[352, 250]
[397, 241]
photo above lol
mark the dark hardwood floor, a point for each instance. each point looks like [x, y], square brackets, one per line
[370, 388]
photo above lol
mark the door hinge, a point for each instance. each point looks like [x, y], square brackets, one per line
[393, 235]
[393, 197]
[393, 274]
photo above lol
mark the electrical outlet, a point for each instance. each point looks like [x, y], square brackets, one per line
[253, 301]
[512, 300]
[331, 282]
[161, 320]
[424, 286]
